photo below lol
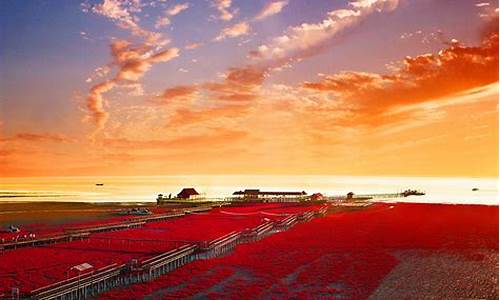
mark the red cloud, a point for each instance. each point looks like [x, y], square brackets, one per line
[235, 94]
[240, 84]
[180, 92]
[420, 79]
[95, 102]
[37, 137]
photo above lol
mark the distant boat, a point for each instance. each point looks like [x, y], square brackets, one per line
[412, 193]
[475, 189]
[99, 184]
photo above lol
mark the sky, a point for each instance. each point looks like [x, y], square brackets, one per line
[167, 87]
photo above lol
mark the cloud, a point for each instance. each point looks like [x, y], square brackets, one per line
[134, 89]
[99, 73]
[114, 10]
[121, 13]
[95, 103]
[176, 9]
[37, 137]
[229, 99]
[242, 85]
[309, 39]
[164, 20]
[271, 9]
[233, 31]
[370, 97]
[84, 35]
[239, 85]
[487, 11]
[132, 60]
[243, 28]
[193, 46]
[425, 37]
[224, 9]
[133, 63]
[180, 92]
[163, 56]
[482, 4]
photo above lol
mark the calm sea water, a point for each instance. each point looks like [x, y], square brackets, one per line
[146, 188]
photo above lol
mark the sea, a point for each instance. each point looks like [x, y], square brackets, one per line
[100, 189]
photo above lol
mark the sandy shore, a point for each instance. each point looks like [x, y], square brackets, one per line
[59, 212]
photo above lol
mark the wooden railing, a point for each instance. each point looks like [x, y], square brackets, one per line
[76, 287]
[103, 279]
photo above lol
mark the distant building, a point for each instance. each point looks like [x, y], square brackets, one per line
[316, 197]
[258, 195]
[185, 194]
[188, 193]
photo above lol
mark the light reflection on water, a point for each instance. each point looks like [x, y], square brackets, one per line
[146, 188]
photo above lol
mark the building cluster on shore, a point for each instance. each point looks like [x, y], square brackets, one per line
[257, 195]
[247, 195]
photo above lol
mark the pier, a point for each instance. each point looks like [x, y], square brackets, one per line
[98, 281]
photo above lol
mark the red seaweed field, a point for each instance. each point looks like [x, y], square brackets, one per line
[33, 267]
[386, 251]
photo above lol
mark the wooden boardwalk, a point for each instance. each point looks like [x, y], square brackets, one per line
[84, 232]
[96, 282]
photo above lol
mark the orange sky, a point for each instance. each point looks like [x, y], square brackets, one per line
[370, 87]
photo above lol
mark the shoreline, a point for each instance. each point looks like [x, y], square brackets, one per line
[146, 188]
[153, 202]
[60, 212]
[57, 212]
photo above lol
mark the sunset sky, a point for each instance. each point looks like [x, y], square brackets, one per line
[159, 87]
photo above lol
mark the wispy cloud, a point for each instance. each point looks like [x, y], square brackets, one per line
[37, 137]
[425, 37]
[487, 11]
[181, 92]
[95, 102]
[482, 4]
[193, 46]
[132, 60]
[226, 13]
[236, 30]
[242, 85]
[308, 39]
[272, 8]
[164, 20]
[176, 9]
